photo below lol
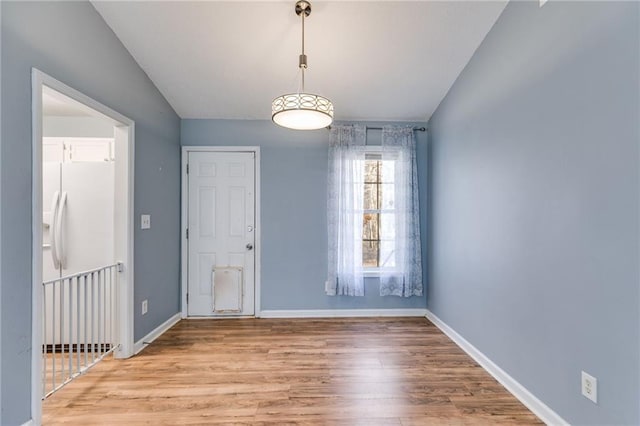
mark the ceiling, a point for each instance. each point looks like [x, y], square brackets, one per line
[375, 60]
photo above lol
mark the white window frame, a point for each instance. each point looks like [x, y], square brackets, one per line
[372, 272]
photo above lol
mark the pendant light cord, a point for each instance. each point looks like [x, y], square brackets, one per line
[303, 65]
[302, 15]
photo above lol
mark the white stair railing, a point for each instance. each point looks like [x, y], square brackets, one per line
[79, 324]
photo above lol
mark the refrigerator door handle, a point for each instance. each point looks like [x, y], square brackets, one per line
[52, 229]
[60, 248]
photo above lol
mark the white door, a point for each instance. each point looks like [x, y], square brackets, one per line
[221, 229]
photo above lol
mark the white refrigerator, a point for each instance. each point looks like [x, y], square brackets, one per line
[78, 224]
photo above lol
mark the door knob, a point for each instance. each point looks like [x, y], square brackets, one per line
[249, 246]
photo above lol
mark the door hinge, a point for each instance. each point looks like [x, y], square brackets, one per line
[187, 298]
[187, 233]
[187, 168]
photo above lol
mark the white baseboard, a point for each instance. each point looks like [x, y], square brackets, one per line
[337, 313]
[538, 407]
[157, 332]
[28, 423]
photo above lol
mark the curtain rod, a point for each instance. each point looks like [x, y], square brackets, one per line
[417, 129]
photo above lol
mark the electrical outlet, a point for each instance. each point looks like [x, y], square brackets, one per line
[145, 221]
[145, 306]
[590, 387]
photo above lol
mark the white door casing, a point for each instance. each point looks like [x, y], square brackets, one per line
[124, 148]
[222, 227]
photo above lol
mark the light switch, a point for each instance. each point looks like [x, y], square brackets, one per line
[145, 221]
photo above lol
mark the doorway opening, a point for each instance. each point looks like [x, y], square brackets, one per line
[82, 230]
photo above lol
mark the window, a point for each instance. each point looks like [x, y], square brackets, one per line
[372, 212]
[378, 217]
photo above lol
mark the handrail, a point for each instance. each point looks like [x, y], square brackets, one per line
[79, 274]
[79, 313]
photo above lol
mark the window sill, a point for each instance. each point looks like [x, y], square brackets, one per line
[377, 274]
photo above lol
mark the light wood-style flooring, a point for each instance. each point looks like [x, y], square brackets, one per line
[347, 371]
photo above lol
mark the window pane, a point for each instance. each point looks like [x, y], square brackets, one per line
[386, 196]
[378, 228]
[370, 227]
[387, 171]
[371, 171]
[387, 230]
[370, 196]
[370, 254]
[387, 254]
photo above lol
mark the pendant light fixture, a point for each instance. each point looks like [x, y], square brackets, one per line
[302, 111]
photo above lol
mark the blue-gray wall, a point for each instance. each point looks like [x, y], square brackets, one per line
[71, 42]
[293, 208]
[535, 193]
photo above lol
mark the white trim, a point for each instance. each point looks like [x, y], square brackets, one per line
[124, 249]
[93, 107]
[184, 224]
[343, 313]
[0, 232]
[28, 423]
[155, 333]
[126, 128]
[539, 408]
[36, 256]
[184, 250]
[376, 272]
[258, 244]
[220, 317]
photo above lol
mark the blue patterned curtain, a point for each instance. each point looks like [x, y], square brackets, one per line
[345, 209]
[400, 250]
